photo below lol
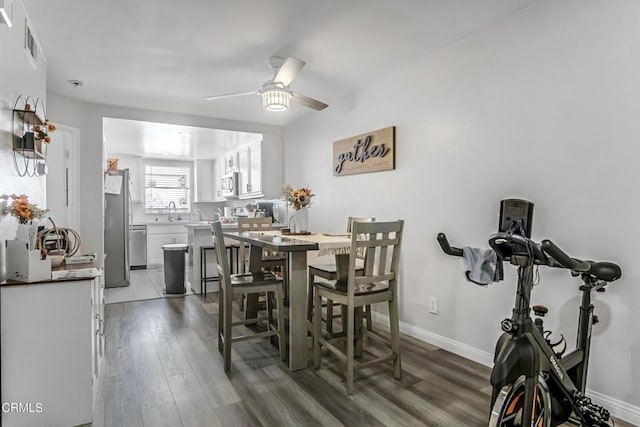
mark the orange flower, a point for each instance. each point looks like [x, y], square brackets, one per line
[25, 211]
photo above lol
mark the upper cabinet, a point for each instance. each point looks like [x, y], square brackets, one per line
[255, 167]
[136, 176]
[244, 185]
[260, 169]
[205, 188]
[250, 168]
[231, 162]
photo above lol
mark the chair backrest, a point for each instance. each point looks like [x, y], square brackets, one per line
[382, 242]
[255, 224]
[352, 219]
[362, 252]
[251, 224]
[221, 254]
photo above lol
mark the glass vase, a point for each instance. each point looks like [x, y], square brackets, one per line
[301, 220]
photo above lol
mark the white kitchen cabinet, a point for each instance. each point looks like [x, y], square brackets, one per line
[206, 185]
[244, 173]
[98, 339]
[158, 235]
[250, 168]
[136, 176]
[52, 347]
[255, 168]
[218, 171]
[154, 247]
[259, 167]
[231, 162]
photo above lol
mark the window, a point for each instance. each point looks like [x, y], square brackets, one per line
[164, 184]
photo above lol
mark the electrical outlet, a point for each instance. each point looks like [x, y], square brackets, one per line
[433, 305]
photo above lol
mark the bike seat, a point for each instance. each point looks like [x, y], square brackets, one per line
[606, 271]
[540, 310]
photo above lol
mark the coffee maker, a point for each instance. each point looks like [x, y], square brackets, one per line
[267, 207]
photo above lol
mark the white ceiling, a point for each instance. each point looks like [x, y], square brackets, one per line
[166, 55]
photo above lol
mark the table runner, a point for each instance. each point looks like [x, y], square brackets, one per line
[328, 243]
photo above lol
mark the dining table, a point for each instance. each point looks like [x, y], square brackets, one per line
[296, 248]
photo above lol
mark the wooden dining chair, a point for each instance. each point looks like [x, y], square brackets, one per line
[328, 271]
[269, 260]
[231, 285]
[379, 283]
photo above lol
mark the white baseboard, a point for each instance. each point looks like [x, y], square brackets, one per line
[617, 408]
[456, 347]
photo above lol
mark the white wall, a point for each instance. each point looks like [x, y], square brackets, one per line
[88, 118]
[542, 106]
[17, 77]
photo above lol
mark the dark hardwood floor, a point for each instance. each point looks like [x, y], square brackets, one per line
[162, 368]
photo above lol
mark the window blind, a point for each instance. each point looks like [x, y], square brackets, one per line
[166, 184]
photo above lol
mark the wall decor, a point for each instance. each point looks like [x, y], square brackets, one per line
[31, 135]
[369, 152]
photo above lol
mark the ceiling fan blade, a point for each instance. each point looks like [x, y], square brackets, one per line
[289, 70]
[231, 95]
[309, 102]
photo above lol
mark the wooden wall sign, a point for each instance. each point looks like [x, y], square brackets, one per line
[369, 152]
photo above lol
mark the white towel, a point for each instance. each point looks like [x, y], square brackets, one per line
[481, 265]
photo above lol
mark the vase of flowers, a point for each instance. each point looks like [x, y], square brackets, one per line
[300, 199]
[26, 213]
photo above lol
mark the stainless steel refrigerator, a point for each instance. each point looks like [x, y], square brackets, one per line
[116, 229]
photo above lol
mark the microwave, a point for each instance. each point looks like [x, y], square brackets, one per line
[229, 185]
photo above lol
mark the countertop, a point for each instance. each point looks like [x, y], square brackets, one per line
[176, 222]
[97, 265]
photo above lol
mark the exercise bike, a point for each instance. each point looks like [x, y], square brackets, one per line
[532, 378]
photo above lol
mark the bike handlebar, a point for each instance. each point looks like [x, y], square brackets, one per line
[446, 247]
[507, 245]
[563, 259]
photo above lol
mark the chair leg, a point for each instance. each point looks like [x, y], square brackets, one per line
[285, 279]
[329, 316]
[368, 317]
[282, 343]
[317, 329]
[350, 349]
[227, 333]
[394, 329]
[220, 319]
[271, 298]
[359, 337]
[310, 296]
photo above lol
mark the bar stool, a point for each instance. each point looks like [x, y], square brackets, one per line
[204, 279]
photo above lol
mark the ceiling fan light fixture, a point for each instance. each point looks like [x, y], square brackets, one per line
[276, 99]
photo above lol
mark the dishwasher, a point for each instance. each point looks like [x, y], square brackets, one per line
[138, 246]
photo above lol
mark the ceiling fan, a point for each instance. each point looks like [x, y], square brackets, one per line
[276, 93]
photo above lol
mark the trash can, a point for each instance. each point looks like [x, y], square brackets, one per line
[174, 268]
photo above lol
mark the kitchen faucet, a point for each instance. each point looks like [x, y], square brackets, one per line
[175, 210]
